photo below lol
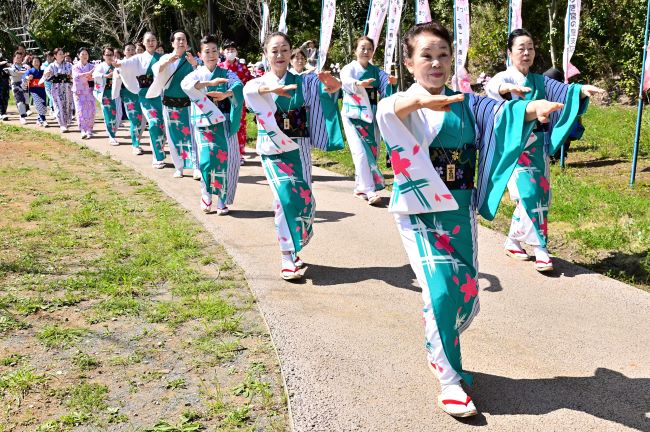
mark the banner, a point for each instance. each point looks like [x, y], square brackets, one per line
[376, 19]
[266, 21]
[282, 27]
[392, 31]
[327, 24]
[646, 67]
[571, 26]
[515, 15]
[422, 11]
[460, 81]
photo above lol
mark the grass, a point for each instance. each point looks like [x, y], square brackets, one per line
[109, 285]
[595, 220]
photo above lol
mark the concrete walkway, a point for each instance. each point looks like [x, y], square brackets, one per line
[565, 352]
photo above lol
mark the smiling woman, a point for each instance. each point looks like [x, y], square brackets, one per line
[434, 136]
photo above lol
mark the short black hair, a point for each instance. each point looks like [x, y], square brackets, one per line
[274, 34]
[210, 38]
[433, 27]
[229, 44]
[515, 34]
[80, 50]
[171, 38]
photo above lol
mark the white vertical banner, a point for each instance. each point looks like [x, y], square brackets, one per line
[394, 19]
[327, 24]
[282, 27]
[460, 81]
[646, 67]
[515, 15]
[571, 26]
[422, 11]
[266, 21]
[376, 19]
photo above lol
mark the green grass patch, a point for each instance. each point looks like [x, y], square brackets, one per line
[53, 336]
[19, 382]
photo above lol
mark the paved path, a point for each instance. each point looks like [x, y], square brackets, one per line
[565, 352]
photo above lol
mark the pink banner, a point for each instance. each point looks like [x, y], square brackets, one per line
[461, 79]
[571, 26]
[646, 73]
[327, 24]
[376, 19]
[422, 11]
[515, 15]
[394, 19]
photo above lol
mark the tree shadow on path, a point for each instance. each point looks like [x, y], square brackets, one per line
[608, 395]
[324, 216]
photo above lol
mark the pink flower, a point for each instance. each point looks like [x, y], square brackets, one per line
[306, 195]
[215, 184]
[222, 156]
[130, 106]
[139, 117]
[186, 131]
[469, 288]
[184, 155]
[106, 101]
[174, 115]
[208, 136]
[524, 159]
[543, 183]
[443, 242]
[416, 149]
[153, 113]
[288, 170]
[399, 164]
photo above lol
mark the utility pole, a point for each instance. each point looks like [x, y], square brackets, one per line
[210, 17]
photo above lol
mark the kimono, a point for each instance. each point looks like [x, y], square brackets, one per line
[215, 126]
[137, 76]
[103, 92]
[435, 199]
[244, 76]
[285, 134]
[82, 87]
[16, 74]
[61, 79]
[48, 90]
[361, 131]
[131, 102]
[530, 184]
[176, 110]
[4, 88]
[36, 89]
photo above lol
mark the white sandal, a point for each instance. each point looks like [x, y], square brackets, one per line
[454, 401]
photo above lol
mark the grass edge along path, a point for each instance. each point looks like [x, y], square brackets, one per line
[117, 311]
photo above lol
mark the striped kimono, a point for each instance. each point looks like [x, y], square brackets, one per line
[177, 119]
[61, 79]
[361, 131]
[285, 148]
[530, 185]
[215, 133]
[111, 108]
[435, 200]
[136, 74]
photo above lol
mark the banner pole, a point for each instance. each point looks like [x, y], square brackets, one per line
[365, 30]
[639, 111]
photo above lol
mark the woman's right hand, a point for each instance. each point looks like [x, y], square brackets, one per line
[367, 83]
[440, 102]
[283, 90]
[517, 90]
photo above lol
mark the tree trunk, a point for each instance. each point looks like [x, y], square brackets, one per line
[552, 14]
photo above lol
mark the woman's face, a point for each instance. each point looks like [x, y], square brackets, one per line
[179, 42]
[129, 50]
[278, 52]
[59, 56]
[150, 42]
[139, 49]
[36, 63]
[160, 50]
[83, 57]
[210, 54]
[108, 56]
[430, 63]
[298, 62]
[522, 53]
[364, 52]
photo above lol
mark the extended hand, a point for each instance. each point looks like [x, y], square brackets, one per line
[440, 102]
[215, 82]
[367, 83]
[518, 90]
[219, 96]
[190, 59]
[392, 79]
[283, 90]
[544, 108]
[589, 90]
[331, 84]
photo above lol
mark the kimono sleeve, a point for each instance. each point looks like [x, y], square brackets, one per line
[385, 87]
[348, 82]
[501, 134]
[562, 122]
[324, 116]
[236, 101]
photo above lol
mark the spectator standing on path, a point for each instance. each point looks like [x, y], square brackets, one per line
[238, 66]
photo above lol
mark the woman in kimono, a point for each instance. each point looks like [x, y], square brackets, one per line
[49, 58]
[17, 72]
[82, 87]
[433, 136]
[168, 73]
[217, 101]
[131, 103]
[285, 134]
[298, 62]
[530, 186]
[111, 108]
[4, 87]
[36, 89]
[362, 83]
[59, 73]
[137, 76]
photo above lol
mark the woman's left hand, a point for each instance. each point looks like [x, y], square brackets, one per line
[544, 108]
[392, 79]
[589, 90]
[190, 59]
[219, 96]
[332, 84]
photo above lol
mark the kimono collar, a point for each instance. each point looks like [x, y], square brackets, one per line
[416, 89]
[272, 78]
[515, 74]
